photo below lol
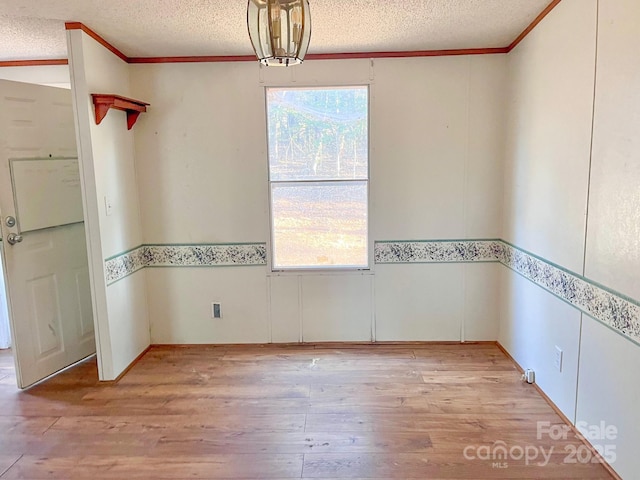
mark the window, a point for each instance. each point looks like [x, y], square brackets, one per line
[319, 177]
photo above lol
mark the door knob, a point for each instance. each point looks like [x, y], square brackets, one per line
[14, 238]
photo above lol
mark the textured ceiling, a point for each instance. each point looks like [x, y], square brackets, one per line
[34, 29]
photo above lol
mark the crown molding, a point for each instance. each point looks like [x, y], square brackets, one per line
[311, 56]
[33, 63]
[533, 24]
[97, 38]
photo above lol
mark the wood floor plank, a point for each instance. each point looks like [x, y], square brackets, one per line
[10, 425]
[251, 412]
[424, 465]
[119, 467]
[61, 443]
[6, 461]
[292, 442]
[184, 424]
[410, 422]
[231, 406]
[22, 406]
[197, 391]
[260, 375]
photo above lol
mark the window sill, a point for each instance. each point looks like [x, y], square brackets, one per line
[321, 272]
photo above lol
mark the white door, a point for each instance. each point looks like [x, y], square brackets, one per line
[47, 277]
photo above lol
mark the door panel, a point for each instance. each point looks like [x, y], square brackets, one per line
[83, 296]
[45, 315]
[47, 273]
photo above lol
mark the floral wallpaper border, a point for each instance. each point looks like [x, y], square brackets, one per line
[201, 255]
[438, 251]
[214, 255]
[124, 264]
[620, 313]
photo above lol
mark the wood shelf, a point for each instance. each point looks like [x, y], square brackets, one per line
[104, 101]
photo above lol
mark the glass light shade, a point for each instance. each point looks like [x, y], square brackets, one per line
[280, 30]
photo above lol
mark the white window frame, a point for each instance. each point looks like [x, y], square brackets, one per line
[319, 270]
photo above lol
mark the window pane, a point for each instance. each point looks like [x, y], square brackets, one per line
[318, 134]
[319, 225]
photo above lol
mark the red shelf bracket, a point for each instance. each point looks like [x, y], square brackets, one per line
[103, 102]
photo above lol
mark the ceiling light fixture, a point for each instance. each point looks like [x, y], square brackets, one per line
[280, 30]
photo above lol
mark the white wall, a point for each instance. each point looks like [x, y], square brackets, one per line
[613, 241]
[608, 391]
[549, 135]
[608, 387]
[107, 164]
[546, 181]
[533, 323]
[48, 75]
[436, 158]
[436, 163]
[577, 207]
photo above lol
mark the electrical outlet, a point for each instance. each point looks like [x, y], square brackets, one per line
[558, 359]
[216, 310]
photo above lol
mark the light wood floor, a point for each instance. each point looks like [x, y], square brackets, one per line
[282, 413]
